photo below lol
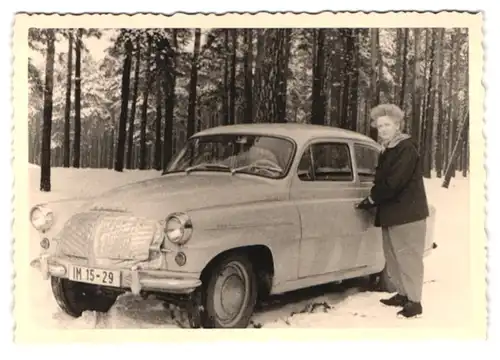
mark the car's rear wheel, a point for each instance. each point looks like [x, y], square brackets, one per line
[74, 298]
[230, 293]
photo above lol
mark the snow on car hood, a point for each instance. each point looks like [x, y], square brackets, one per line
[180, 192]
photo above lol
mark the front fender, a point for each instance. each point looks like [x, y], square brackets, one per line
[275, 225]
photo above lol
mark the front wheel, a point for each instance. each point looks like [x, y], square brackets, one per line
[230, 293]
[74, 298]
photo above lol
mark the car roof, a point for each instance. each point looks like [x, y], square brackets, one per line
[296, 131]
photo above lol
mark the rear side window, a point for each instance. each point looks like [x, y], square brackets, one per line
[366, 161]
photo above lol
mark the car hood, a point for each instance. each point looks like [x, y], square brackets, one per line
[180, 192]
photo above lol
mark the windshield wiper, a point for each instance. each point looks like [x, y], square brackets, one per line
[259, 166]
[207, 165]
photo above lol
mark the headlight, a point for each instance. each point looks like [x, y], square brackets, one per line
[41, 218]
[178, 228]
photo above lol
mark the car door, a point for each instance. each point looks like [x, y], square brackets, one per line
[366, 160]
[324, 190]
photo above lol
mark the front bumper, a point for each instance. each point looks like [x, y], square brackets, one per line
[135, 279]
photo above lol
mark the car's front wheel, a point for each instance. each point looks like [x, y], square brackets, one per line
[74, 298]
[230, 293]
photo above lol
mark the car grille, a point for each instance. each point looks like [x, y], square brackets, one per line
[103, 235]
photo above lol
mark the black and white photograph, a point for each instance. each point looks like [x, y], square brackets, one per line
[251, 176]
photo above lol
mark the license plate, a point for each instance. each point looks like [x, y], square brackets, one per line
[94, 276]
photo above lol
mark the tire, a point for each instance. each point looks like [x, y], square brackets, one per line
[74, 298]
[237, 271]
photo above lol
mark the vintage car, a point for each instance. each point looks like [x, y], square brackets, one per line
[242, 212]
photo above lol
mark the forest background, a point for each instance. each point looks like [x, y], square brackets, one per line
[129, 98]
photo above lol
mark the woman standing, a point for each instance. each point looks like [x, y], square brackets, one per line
[398, 194]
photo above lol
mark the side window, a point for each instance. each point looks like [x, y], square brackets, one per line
[366, 161]
[330, 162]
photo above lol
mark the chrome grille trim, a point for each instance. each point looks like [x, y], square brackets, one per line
[108, 235]
[77, 234]
[123, 237]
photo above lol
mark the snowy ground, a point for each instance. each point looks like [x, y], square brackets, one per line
[445, 296]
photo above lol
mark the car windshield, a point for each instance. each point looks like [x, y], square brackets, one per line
[236, 153]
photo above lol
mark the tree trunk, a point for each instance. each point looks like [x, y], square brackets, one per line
[47, 112]
[373, 101]
[464, 130]
[95, 152]
[439, 84]
[67, 109]
[158, 142]
[105, 150]
[285, 65]
[334, 82]
[342, 67]
[380, 70]
[353, 101]
[59, 157]
[448, 143]
[348, 71]
[258, 75]
[415, 126]
[403, 74]
[424, 102]
[281, 71]
[465, 151]
[318, 103]
[111, 148]
[199, 123]
[399, 63]
[269, 91]
[193, 84]
[225, 98]
[144, 112]
[170, 105]
[157, 151]
[232, 95]
[427, 163]
[122, 132]
[465, 154]
[78, 124]
[131, 127]
[157, 157]
[247, 66]
[453, 109]
[101, 143]
[275, 74]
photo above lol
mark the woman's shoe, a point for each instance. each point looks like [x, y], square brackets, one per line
[411, 310]
[396, 300]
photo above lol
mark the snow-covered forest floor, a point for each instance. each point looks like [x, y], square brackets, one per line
[446, 295]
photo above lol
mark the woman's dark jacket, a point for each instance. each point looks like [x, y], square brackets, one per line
[398, 191]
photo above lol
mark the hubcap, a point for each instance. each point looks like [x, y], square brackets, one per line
[231, 293]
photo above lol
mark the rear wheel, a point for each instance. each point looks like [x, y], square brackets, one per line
[74, 298]
[230, 293]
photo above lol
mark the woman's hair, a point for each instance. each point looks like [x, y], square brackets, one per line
[389, 110]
